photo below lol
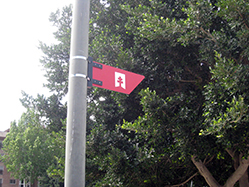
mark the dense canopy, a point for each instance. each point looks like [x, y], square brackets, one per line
[187, 122]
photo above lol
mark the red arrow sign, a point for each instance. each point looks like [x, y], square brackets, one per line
[116, 79]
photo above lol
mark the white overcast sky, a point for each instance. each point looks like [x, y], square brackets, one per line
[23, 24]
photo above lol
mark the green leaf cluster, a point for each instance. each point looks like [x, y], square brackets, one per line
[29, 148]
[192, 104]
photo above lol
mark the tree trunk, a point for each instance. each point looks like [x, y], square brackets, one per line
[205, 173]
[237, 159]
[239, 172]
[243, 181]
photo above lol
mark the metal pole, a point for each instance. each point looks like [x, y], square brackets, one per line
[76, 113]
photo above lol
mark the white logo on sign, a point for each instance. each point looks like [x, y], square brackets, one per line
[120, 80]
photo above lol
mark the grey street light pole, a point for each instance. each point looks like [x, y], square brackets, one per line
[76, 114]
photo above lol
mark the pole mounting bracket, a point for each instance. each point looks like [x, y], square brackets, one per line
[90, 80]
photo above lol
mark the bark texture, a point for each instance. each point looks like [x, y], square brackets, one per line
[237, 159]
[205, 173]
[243, 181]
[240, 173]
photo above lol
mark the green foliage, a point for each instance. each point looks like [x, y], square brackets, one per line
[35, 146]
[155, 20]
[29, 148]
[217, 100]
[56, 57]
[236, 14]
[50, 109]
[193, 101]
[158, 138]
[57, 168]
[226, 109]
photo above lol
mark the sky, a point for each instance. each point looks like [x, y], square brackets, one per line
[23, 24]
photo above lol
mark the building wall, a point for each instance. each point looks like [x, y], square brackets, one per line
[6, 177]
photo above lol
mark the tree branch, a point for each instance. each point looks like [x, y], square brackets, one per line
[235, 158]
[198, 77]
[210, 35]
[230, 152]
[205, 173]
[177, 185]
[188, 81]
[238, 173]
[244, 21]
[208, 160]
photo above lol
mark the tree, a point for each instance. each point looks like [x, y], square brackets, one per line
[51, 111]
[29, 148]
[226, 100]
[35, 145]
[56, 57]
[153, 58]
[190, 122]
[219, 26]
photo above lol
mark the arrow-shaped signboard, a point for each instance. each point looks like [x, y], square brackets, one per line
[114, 79]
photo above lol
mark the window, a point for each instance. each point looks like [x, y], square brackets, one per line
[21, 183]
[1, 145]
[1, 182]
[1, 170]
[12, 181]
